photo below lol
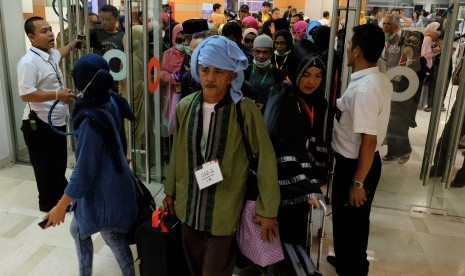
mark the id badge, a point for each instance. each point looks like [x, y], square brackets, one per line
[209, 174]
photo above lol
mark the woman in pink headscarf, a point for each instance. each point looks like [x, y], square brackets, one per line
[429, 49]
[298, 30]
[249, 22]
[171, 63]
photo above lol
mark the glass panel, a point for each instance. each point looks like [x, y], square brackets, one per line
[400, 186]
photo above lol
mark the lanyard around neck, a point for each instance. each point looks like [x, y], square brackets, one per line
[261, 82]
[276, 61]
[309, 111]
[54, 69]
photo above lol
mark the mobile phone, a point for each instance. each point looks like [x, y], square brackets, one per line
[43, 223]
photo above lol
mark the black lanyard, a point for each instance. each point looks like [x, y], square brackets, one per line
[54, 69]
[262, 81]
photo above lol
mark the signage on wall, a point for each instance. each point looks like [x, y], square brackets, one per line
[207, 10]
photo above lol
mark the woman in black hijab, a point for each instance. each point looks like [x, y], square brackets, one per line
[294, 116]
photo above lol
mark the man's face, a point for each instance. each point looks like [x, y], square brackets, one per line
[42, 37]
[389, 27]
[262, 54]
[215, 81]
[265, 9]
[92, 21]
[187, 39]
[294, 20]
[276, 14]
[243, 14]
[350, 54]
[194, 43]
[108, 22]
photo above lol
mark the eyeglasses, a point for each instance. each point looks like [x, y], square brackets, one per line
[249, 40]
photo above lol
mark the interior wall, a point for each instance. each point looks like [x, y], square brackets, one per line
[13, 46]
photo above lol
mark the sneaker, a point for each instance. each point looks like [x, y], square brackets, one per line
[404, 158]
[443, 108]
[428, 109]
[390, 157]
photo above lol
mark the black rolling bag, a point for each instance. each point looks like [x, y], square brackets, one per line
[159, 246]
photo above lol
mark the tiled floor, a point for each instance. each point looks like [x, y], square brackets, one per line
[399, 244]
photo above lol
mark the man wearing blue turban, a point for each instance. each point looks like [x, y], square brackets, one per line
[207, 136]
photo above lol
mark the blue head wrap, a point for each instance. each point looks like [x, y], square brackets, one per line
[222, 53]
[311, 25]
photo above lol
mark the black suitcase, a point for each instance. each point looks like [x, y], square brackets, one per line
[161, 253]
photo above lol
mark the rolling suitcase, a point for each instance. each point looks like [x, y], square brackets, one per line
[301, 256]
[159, 246]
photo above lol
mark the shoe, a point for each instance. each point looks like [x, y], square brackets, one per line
[390, 157]
[456, 184]
[404, 158]
[435, 172]
[428, 109]
[331, 260]
[443, 108]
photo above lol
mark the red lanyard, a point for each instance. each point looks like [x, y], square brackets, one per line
[308, 110]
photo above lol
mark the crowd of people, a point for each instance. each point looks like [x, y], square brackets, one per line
[269, 68]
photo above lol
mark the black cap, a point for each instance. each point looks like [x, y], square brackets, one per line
[194, 25]
[244, 8]
[281, 24]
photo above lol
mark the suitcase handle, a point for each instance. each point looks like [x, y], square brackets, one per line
[158, 217]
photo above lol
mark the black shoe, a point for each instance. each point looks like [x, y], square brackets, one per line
[435, 172]
[404, 158]
[457, 184]
[331, 260]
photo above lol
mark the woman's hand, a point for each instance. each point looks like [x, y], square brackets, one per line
[314, 202]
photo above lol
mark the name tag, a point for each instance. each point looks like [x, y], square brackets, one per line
[209, 174]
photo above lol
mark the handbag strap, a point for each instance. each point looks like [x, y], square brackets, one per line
[240, 120]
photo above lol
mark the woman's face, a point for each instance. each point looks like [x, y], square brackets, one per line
[248, 40]
[280, 44]
[310, 80]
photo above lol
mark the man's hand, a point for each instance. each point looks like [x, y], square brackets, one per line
[169, 202]
[269, 227]
[66, 95]
[357, 197]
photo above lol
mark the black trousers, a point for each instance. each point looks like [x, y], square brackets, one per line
[48, 155]
[351, 225]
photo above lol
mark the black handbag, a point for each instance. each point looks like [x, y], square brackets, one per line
[145, 207]
[252, 182]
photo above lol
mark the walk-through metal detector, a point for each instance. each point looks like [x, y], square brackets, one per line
[151, 11]
[442, 84]
[351, 13]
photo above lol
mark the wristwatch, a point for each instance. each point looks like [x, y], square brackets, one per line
[357, 184]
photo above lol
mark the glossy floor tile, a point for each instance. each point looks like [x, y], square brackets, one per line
[399, 243]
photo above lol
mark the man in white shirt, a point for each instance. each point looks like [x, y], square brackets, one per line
[359, 128]
[40, 85]
[325, 19]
